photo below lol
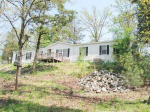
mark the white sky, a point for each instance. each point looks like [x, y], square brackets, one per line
[78, 6]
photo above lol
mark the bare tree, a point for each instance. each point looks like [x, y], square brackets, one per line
[73, 32]
[76, 31]
[21, 11]
[95, 22]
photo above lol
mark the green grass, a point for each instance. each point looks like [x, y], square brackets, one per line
[12, 105]
[51, 90]
[5, 76]
[125, 106]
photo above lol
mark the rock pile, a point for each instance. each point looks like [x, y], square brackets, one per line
[104, 81]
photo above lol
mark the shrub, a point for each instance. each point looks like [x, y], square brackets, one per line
[132, 71]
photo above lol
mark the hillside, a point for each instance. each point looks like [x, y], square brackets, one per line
[54, 88]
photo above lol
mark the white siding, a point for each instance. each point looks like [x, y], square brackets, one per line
[24, 60]
[14, 56]
[61, 46]
[93, 51]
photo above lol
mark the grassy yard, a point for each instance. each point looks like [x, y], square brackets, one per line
[53, 88]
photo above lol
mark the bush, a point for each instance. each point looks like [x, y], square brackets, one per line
[110, 66]
[126, 65]
[132, 71]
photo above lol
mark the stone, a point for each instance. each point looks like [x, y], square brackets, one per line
[98, 91]
[104, 81]
[94, 88]
[26, 76]
[115, 90]
[127, 90]
[104, 89]
[86, 90]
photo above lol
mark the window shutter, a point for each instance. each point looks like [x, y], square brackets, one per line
[30, 55]
[100, 50]
[114, 50]
[16, 57]
[86, 51]
[26, 56]
[80, 51]
[68, 52]
[107, 49]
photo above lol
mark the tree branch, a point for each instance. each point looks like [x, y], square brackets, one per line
[13, 4]
[12, 25]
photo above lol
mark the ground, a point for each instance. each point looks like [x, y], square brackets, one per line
[53, 88]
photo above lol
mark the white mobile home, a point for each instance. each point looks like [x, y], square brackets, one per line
[65, 51]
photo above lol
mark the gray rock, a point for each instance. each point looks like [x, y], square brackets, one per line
[95, 88]
[115, 90]
[104, 89]
[86, 90]
[104, 81]
[98, 91]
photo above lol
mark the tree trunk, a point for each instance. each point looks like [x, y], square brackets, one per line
[148, 100]
[36, 52]
[18, 73]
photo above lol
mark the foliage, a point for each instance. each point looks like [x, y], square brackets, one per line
[80, 62]
[51, 26]
[143, 20]
[144, 63]
[132, 71]
[10, 46]
[0, 58]
[124, 52]
[47, 22]
[143, 34]
[110, 66]
[59, 23]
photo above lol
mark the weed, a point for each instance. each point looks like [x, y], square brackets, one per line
[15, 92]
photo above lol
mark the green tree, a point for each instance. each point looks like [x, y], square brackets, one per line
[59, 30]
[47, 22]
[143, 34]
[10, 46]
[124, 27]
[143, 16]
[23, 11]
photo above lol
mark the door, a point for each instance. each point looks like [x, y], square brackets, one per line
[49, 51]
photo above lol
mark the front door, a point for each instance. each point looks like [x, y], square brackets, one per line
[49, 51]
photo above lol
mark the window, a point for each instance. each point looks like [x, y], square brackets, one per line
[84, 51]
[147, 45]
[28, 55]
[16, 57]
[65, 52]
[40, 52]
[59, 51]
[104, 49]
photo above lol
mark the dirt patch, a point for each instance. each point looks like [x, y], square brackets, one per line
[70, 82]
